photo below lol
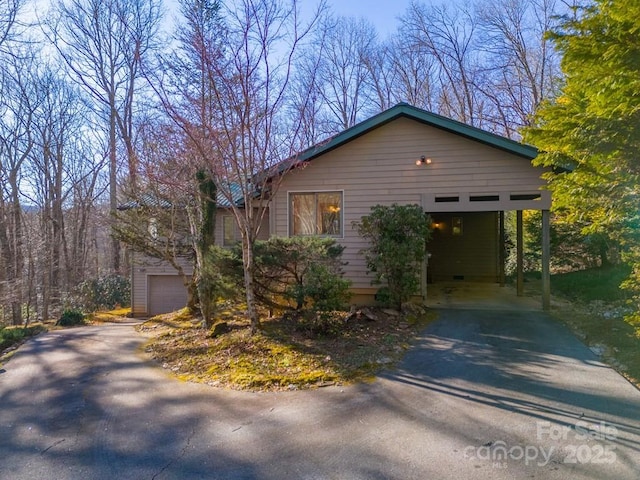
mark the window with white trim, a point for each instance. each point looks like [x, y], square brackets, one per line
[315, 213]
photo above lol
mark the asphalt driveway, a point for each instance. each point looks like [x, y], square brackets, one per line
[482, 395]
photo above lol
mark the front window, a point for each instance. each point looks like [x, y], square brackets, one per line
[315, 213]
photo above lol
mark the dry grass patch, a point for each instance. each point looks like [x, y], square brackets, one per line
[287, 353]
[117, 315]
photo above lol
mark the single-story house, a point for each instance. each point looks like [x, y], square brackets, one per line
[465, 178]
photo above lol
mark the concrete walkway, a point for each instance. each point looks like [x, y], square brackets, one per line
[480, 296]
[483, 395]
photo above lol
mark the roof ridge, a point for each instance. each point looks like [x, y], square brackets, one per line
[424, 116]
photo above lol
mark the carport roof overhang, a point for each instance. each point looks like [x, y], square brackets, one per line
[486, 202]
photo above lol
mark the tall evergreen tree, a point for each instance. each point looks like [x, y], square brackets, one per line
[590, 134]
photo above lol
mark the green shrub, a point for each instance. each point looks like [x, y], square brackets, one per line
[220, 279]
[322, 290]
[397, 235]
[106, 292]
[71, 318]
[300, 273]
[223, 270]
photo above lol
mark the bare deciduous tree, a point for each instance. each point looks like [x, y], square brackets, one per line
[9, 12]
[382, 77]
[342, 71]
[187, 93]
[402, 71]
[447, 34]
[307, 101]
[60, 176]
[104, 44]
[16, 141]
[521, 63]
[255, 131]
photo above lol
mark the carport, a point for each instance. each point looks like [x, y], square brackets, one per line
[468, 237]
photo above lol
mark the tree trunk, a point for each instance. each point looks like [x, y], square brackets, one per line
[113, 199]
[248, 262]
[206, 240]
[18, 260]
[16, 313]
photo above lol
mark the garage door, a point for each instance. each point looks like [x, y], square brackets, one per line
[166, 294]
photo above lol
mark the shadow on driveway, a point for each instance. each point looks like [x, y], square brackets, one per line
[85, 403]
[497, 366]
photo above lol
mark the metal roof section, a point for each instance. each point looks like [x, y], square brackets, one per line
[155, 200]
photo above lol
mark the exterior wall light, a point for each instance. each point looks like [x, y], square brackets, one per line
[423, 161]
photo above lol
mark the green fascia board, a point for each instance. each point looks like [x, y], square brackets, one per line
[428, 118]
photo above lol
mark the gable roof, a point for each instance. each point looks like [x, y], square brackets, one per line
[438, 121]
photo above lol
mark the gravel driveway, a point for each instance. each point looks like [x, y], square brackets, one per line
[483, 395]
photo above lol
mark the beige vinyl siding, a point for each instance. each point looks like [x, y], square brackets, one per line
[263, 234]
[379, 168]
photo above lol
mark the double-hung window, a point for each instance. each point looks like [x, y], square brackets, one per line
[315, 213]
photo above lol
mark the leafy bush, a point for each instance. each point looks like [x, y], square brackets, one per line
[71, 318]
[223, 270]
[322, 289]
[398, 235]
[571, 249]
[106, 292]
[300, 273]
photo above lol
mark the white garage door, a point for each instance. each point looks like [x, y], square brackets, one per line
[166, 294]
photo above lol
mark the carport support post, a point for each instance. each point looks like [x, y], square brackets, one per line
[546, 260]
[423, 279]
[519, 254]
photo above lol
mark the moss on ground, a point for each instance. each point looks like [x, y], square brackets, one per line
[112, 316]
[285, 353]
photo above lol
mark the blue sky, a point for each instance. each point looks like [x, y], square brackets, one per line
[382, 13]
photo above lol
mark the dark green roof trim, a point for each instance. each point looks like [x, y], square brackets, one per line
[428, 118]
